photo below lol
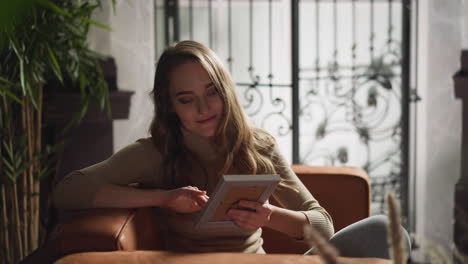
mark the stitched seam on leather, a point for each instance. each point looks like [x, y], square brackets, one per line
[124, 225]
[350, 171]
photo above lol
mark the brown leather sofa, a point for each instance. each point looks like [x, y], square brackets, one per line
[343, 191]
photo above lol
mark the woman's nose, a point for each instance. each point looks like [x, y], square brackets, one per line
[203, 106]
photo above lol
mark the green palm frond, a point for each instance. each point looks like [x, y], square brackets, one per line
[43, 50]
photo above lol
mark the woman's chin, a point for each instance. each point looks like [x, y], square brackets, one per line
[207, 134]
[204, 132]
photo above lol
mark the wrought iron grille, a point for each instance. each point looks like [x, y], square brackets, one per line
[329, 78]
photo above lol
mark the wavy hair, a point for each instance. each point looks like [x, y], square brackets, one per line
[244, 146]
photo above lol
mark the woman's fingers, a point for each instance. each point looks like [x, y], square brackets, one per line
[240, 213]
[200, 199]
[196, 195]
[254, 215]
[243, 219]
[187, 199]
[249, 204]
[205, 197]
[192, 189]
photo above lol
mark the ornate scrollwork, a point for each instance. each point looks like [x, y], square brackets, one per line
[366, 111]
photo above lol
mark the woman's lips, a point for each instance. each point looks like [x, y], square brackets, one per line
[206, 120]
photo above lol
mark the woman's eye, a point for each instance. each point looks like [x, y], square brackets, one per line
[185, 101]
[212, 92]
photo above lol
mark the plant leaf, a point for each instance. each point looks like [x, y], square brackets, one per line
[83, 110]
[53, 7]
[18, 161]
[82, 83]
[11, 95]
[9, 165]
[33, 97]
[57, 70]
[15, 48]
[77, 117]
[7, 81]
[22, 77]
[45, 173]
[94, 22]
[9, 149]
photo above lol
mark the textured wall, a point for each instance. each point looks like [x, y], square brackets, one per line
[131, 43]
[439, 117]
[132, 46]
[99, 39]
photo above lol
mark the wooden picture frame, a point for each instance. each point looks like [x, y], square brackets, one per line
[229, 190]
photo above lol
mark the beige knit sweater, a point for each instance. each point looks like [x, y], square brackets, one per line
[140, 163]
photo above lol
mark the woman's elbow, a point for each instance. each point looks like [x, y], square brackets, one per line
[326, 227]
[72, 193]
[329, 232]
[62, 198]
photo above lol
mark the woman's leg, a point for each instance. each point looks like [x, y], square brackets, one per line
[366, 238]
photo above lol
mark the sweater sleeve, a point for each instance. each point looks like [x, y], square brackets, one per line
[298, 198]
[137, 163]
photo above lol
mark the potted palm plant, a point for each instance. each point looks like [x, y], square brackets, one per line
[43, 51]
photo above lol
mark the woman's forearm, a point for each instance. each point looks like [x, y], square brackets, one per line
[76, 196]
[116, 196]
[287, 221]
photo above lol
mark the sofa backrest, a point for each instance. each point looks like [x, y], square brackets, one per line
[343, 191]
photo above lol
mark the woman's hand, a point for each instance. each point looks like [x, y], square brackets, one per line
[187, 199]
[259, 215]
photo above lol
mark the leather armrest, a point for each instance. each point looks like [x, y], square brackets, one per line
[149, 257]
[99, 230]
[343, 191]
[107, 230]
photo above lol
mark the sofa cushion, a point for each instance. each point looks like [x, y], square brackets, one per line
[147, 257]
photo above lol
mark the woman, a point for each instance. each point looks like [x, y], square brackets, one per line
[199, 132]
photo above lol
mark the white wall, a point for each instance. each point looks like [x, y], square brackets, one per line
[131, 43]
[99, 39]
[133, 49]
[439, 117]
[464, 10]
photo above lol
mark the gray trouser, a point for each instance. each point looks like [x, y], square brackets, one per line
[366, 239]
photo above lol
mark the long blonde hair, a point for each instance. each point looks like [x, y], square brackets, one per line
[242, 145]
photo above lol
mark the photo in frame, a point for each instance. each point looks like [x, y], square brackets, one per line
[229, 190]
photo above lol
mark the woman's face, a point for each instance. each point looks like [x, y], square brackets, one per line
[195, 99]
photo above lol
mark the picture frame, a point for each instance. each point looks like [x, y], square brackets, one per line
[229, 190]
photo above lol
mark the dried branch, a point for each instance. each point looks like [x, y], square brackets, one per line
[396, 246]
[323, 248]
